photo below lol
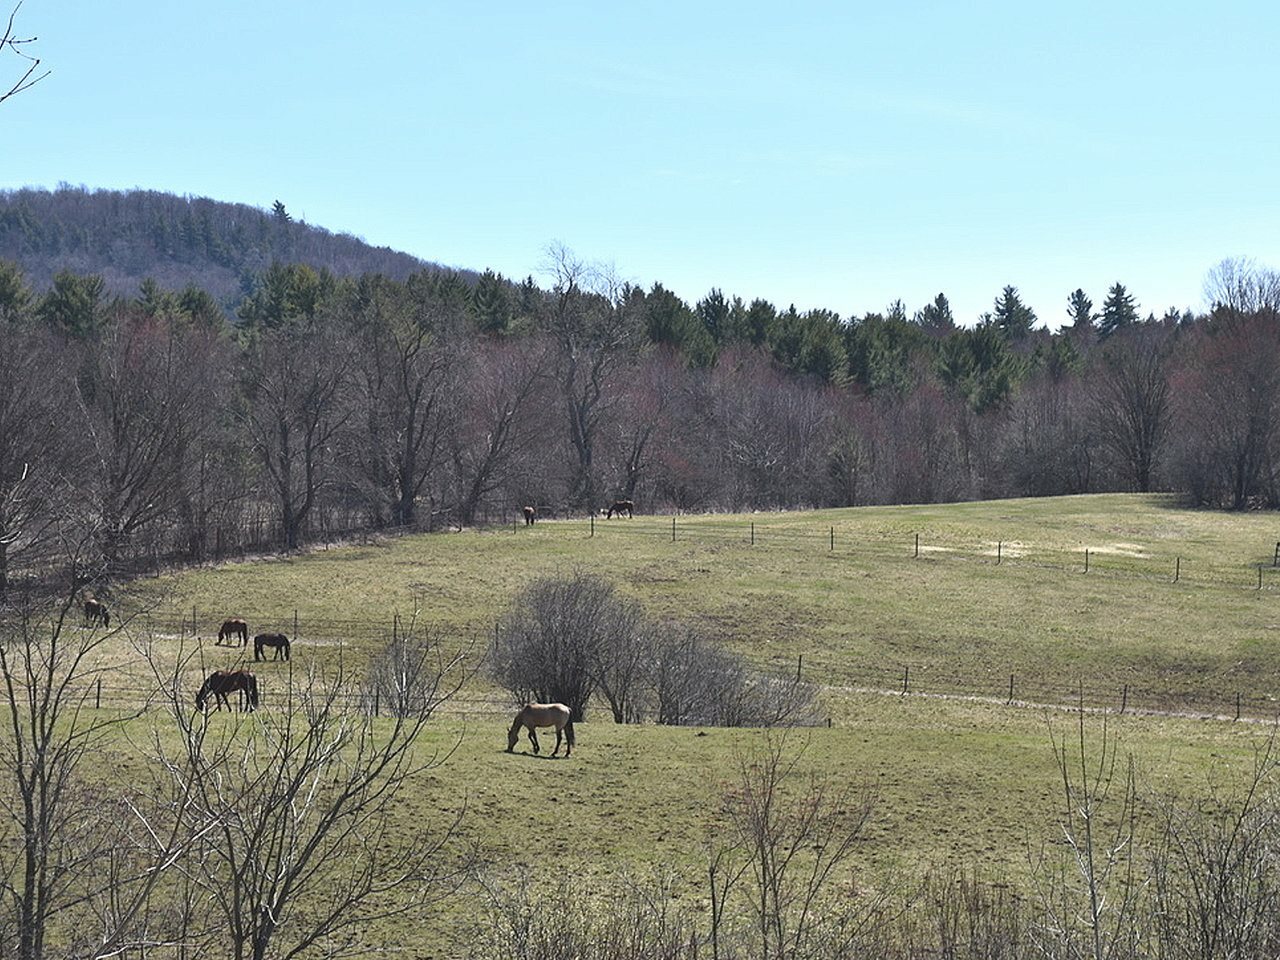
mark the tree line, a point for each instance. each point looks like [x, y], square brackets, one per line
[155, 425]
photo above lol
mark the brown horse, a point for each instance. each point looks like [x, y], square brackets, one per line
[530, 514]
[95, 611]
[619, 506]
[534, 715]
[233, 628]
[278, 641]
[222, 682]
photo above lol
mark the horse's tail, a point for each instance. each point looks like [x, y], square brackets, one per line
[568, 733]
[286, 647]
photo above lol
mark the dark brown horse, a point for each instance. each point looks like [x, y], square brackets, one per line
[530, 514]
[276, 640]
[534, 715]
[619, 506]
[95, 611]
[233, 628]
[222, 682]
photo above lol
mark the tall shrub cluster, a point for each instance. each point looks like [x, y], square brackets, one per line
[567, 639]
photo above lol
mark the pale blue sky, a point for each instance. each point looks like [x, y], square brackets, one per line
[824, 154]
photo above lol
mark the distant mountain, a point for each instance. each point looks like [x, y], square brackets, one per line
[127, 236]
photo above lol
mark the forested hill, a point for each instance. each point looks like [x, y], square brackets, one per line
[126, 236]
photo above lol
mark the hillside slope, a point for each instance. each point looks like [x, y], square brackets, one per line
[128, 236]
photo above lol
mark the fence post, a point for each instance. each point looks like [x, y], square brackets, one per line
[1237, 704]
[1124, 698]
[999, 551]
[1010, 688]
[1275, 561]
[917, 546]
[753, 533]
[593, 524]
[1259, 576]
[906, 678]
[833, 538]
[799, 664]
[1086, 559]
[1177, 569]
[97, 696]
[673, 529]
[395, 627]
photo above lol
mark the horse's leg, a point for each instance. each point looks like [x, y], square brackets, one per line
[559, 735]
[533, 738]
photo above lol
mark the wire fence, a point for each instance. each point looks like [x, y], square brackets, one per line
[1108, 561]
[284, 681]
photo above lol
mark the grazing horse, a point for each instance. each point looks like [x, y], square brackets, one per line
[277, 640]
[530, 514]
[233, 628]
[222, 682]
[95, 611]
[533, 715]
[619, 506]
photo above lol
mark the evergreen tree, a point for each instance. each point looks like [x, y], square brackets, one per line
[980, 365]
[491, 303]
[936, 317]
[199, 307]
[668, 320]
[714, 312]
[1013, 318]
[280, 213]
[758, 322]
[1119, 311]
[75, 304]
[154, 301]
[288, 293]
[15, 295]
[1080, 310]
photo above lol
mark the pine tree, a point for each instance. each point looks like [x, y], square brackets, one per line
[74, 305]
[280, 213]
[491, 303]
[15, 295]
[936, 317]
[1080, 310]
[1013, 318]
[1119, 311]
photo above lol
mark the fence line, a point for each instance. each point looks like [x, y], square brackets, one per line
[1121, 693]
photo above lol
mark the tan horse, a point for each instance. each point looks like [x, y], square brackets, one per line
[534, 715]
[234, 628]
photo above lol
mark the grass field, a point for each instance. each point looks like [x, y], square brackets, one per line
[958, 781]
[859, 614]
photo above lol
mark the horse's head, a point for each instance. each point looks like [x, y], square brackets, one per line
[201, 696]
[513, 735]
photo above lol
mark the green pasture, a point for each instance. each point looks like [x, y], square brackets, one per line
[953, 783]
[957, 781]
[842, 589]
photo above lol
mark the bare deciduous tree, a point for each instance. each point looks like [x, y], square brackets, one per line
[297, 801]
[497, 424]
[594, 332]
[1132, 404]
[12, 42]
[33, 444]
[295, 380]
[81, 850]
